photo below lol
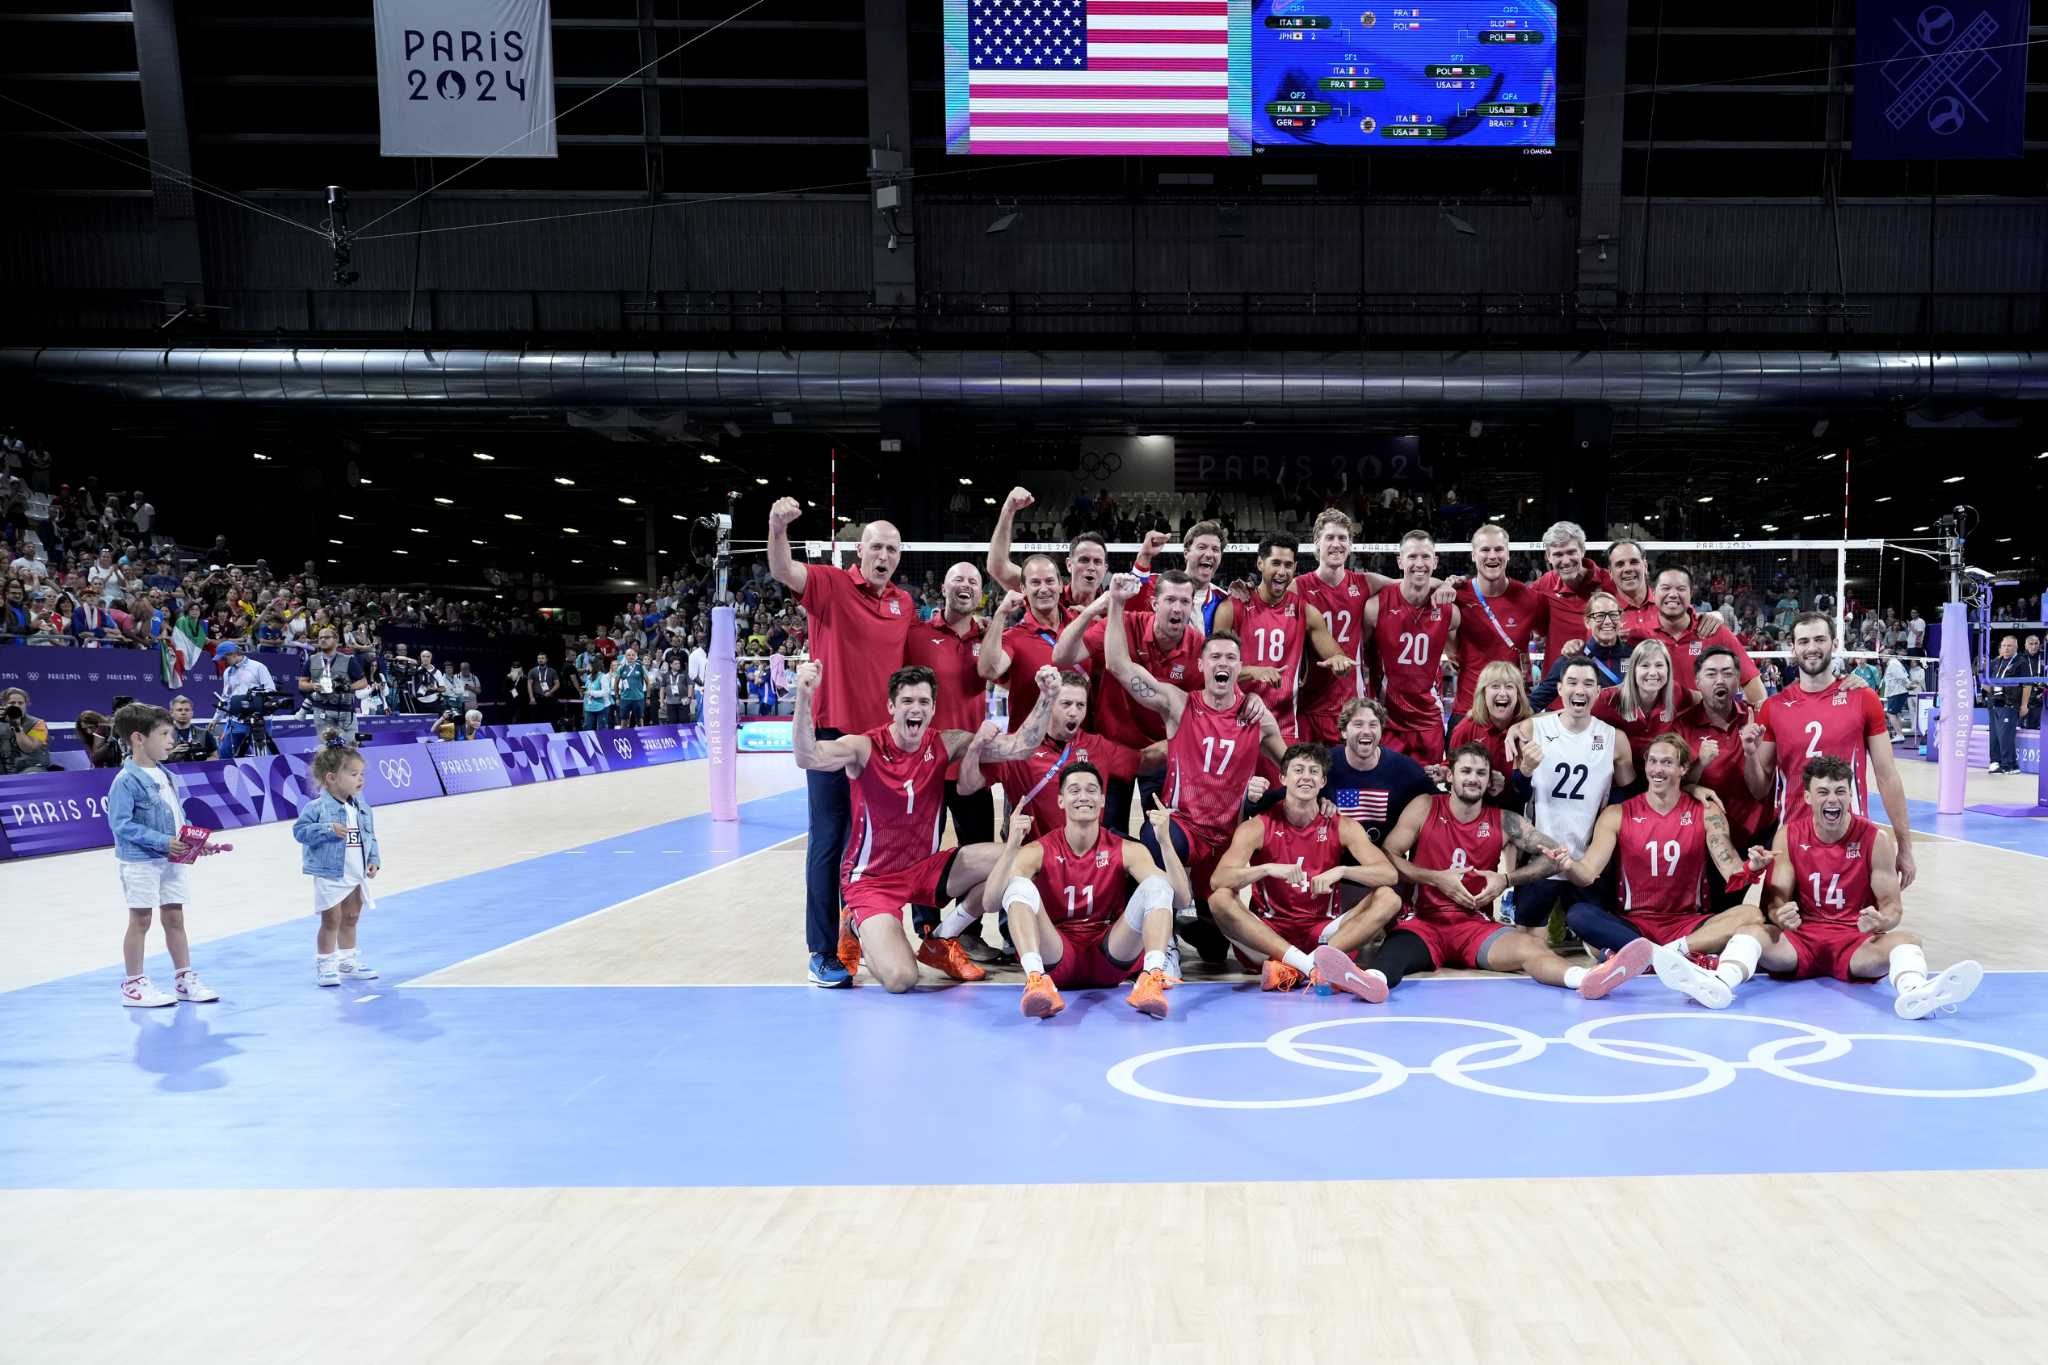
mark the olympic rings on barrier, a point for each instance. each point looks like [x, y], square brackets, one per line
[1456, 1067]
[396, 772]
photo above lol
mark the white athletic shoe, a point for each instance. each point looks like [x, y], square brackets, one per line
[1994, 768]
[327, 971]
[358, 971]
[139, 994]
[190, 987]
[1943, 990]
[1687, 977]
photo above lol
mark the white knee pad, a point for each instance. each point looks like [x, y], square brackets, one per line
[1025, 890]
[1154, 893]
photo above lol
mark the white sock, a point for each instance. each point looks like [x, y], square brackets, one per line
[1739, 959]
[1032, 962]
[1300, 961]
[1573, 976]
[1155, 960]
[956, 921]
[347, 955]
[1908, 967]
[1681, 947]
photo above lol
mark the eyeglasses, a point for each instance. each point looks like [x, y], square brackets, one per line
[1603, 616]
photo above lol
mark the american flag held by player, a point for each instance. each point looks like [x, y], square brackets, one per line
[1366, 805]
[1139, 77]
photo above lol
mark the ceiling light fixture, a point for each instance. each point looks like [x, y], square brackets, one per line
[966, 482]
[514, 516]
[628, 502]
[1708, 498]
[617, 541]
[476, 542]
[334, 542]
[258, 455]
[480, 455]
[708, 458]
[570, 530]
[344, 516]
[1886, 498]
[419, 530]
[1829, 456]
[363, 481]
[763, 481]
[1953, 478]
[445, 502]
[565, 481]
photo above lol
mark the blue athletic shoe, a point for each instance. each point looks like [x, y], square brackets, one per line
[826, 971]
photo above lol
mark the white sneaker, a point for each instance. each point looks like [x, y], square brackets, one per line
[358, 971]
[1994, 768]
[327, 971]
[1943, 990]
[190, 987]
[1687, 977]
[139, 994]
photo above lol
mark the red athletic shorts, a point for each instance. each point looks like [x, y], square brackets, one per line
[886, 893]
[1663, 927]
[1321, 726]
[1205, 850]
[1424, 744]
[1825, 949]
[1085, 961]
[1453, 942]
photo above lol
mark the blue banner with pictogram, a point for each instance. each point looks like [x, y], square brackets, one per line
[1940, 81]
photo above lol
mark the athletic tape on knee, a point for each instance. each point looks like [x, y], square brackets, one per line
[1154, 893]
[1025, 890]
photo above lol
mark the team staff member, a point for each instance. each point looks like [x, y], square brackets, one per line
[1497, 615]
[542, 685]
[2004, 708]
[1605, 644]
[1203, 544]
[1019, 651]
[1087, 557]
[859, 622]
[333, 679]
[1713, 726]
[1686, 633]
[1568, 588]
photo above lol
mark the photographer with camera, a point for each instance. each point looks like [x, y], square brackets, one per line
[331, 683]
[243, 677]
[95, 733]
[24, 739]
[189, 743]
[429, 684]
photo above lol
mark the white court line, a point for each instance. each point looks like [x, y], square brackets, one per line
[421, 983]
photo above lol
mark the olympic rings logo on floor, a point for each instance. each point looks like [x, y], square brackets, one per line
[1459, 1065]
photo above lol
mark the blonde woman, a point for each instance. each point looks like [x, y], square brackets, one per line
[1499, 700]
[1646, 704]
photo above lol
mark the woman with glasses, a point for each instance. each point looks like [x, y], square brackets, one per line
[1605, 645]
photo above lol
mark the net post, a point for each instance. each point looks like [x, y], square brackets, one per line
[721, 686]
[1842, 595]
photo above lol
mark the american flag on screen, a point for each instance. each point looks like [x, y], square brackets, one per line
[1129, 77]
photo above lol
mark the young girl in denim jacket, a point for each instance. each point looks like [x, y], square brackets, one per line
[340, 854]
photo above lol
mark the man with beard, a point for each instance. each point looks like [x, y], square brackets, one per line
[1030, 781]
[1087, 557]
[859, 620]
[1448, 849]
[1279, 624]
[1820, 714]
[1022, 649]
[1713, 726]
[1365, 780]
[893, 854]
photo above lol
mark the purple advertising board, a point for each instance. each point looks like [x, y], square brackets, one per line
[392, 775]
[55, 812]
[648, 745]
[466, 765]
[62, 681]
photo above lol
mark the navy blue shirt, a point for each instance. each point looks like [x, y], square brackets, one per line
[1374, 799]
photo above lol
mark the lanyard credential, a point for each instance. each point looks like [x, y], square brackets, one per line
[1486, 607]
[1051, 773]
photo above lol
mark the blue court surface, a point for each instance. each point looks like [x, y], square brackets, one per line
[289, 1086]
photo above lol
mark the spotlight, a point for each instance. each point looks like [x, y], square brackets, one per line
[480, 455]
[1455, 223]
[565, 481]
[445, 502]
[1004, 223]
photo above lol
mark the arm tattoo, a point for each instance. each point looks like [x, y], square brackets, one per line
[1524, 835]
[1006, 747]
[1719, 846]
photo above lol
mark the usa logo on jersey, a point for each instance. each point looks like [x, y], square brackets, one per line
[1855, 851]
[1599, 743]
[895, 607]
[1102, 857]
[1685, 819]
[1179, 672]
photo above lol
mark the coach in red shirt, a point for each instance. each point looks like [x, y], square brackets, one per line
[1567, 586]
[1686, 633]
[859, 622]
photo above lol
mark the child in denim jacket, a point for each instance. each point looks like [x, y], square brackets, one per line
[341, 856]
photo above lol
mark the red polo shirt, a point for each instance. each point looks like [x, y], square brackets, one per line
[1685, 647]
[1030, 647]
[1497, 631]
[1568, 606]
[857, 634]
[1637, 621]
[963, 696]
[1022, 777]
[1747, 816]
[1118, 714]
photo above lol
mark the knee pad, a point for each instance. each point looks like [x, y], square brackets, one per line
[1154, 893]
[1025, 890]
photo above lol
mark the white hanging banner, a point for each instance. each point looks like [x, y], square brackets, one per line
[465, 78]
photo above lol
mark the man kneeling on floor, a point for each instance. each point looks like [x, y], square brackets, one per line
[1300, 925]
[898, 775]
[1084, 902]
[1448, 847]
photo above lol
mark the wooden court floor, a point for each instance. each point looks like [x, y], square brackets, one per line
[1722, 1267]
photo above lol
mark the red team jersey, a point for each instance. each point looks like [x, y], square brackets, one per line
[1493, 629]
[1409, 644]
[963, 696]
[1314, 848]
[1114, 711]
[1835, 720]
[1274, 635]
[1447, 842]
[1663, 865]
[1833, 888]
[899, 806]
[1030, 648]
[1083, 892]
[1209, 762]
[1323, 693]
[1641, 730]
[1026, 779]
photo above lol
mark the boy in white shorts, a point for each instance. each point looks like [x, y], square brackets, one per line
[145, 814]
[341, 856]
